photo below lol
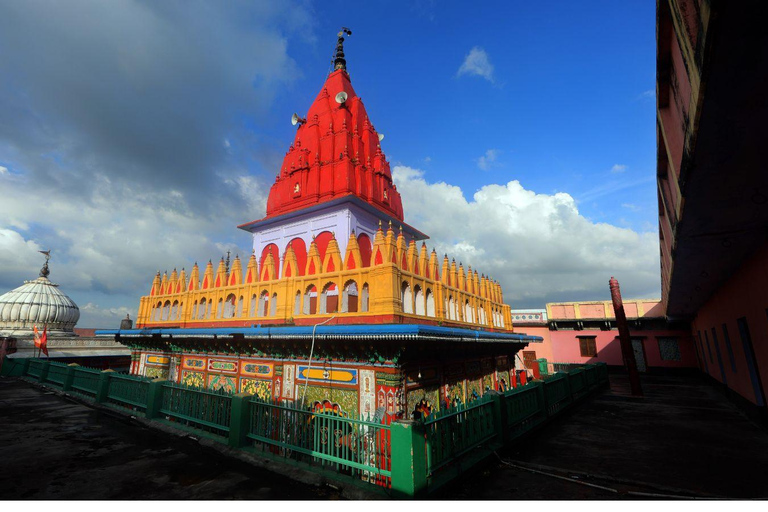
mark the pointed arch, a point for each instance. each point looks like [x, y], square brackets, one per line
[229, 306]
[349, 298]
[364, 292]
[430, 303]
[321, 241]
[263, 307]
[275, 252]
[406, 297]
[366, 247]
[300, 251]
[310, 300]
[297, 304]
[418, 296]
[329, 299]
[273, 305]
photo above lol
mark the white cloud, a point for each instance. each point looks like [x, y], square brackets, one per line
[477, 63]
[3, 170]
[617, 168]
[486, 161]
[631, 207]
[95, 316]
[537, 245]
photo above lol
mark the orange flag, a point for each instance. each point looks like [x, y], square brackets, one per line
[44, 341]
[37, 337]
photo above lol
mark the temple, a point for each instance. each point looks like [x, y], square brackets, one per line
[341, 305]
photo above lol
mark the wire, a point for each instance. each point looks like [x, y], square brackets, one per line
[311, 351]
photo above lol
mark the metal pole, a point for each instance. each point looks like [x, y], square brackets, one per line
[626, 342]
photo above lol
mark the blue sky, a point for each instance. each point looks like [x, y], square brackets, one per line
[135, 135]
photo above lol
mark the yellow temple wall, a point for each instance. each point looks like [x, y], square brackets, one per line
[458, 298]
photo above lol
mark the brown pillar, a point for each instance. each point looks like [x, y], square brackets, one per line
[626, 342]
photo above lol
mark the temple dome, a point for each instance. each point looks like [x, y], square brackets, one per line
[37, 303]
[336, 153]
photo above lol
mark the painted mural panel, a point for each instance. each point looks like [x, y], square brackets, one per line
[422, 402]
[327, 375]
[488, 383]
[289, 373]
[156, 372]
[256, 369]
[156, 360]
[194, 363]
[217, 382]
[474, 389]
[259, 388]
[502, 379]
[196, 379]
[454, 393]
[367, 393]
[222, 366]
[346, 399]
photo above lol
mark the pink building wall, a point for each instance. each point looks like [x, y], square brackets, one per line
[743, 296]
[565, 347]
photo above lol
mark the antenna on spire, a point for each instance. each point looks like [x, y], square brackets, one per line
[338, 59]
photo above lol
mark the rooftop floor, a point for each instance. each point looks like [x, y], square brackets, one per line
[683, 439]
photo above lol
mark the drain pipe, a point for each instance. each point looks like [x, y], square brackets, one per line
[311, 351]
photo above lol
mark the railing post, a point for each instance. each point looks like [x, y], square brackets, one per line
[409, 460]
[238, 423]
[155, 398]
[499, 415]
[541, 399]
[103, 388]
[44, 371]
[70, 377]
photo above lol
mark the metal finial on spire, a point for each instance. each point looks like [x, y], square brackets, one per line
[44, 272]
[227, 262]
[338, 59]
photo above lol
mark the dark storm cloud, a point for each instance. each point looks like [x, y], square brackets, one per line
[143, 92]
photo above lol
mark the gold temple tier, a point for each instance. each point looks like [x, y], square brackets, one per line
[392, 282]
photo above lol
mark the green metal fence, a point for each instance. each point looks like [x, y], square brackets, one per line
[86, 382]
[453, 432]
[202, 409]
[57, 373]
[127, 391]
[35, 368]
[524, 408]
[348, 445]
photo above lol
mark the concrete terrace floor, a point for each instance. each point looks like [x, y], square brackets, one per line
[55, 448]
[683, 439]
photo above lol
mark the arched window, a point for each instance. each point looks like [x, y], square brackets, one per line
[263, 304]
[451, 309]
[194, 311]
[468, 312]
[201, 310]
[349, 298]
[329, 299]
[208, 311]
[430, 303]
[364, 299]
[310, 300]
[240, 306]
[158, 311]
[273, 305]
[181, 310]
[220, 309]
[419, 300]
[229, 307]
[297, 304]
[483, 319]
[406, 297]
[166, 310]
[252, 306]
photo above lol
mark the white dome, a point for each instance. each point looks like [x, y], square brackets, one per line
[37, 303]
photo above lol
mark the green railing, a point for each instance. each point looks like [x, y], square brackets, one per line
[127, 391]
[86, 382]
[202, 409]
[35, 368]
[524, 409]
[408, 457]
[351, 446]
[57, 373]
[453, 432]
